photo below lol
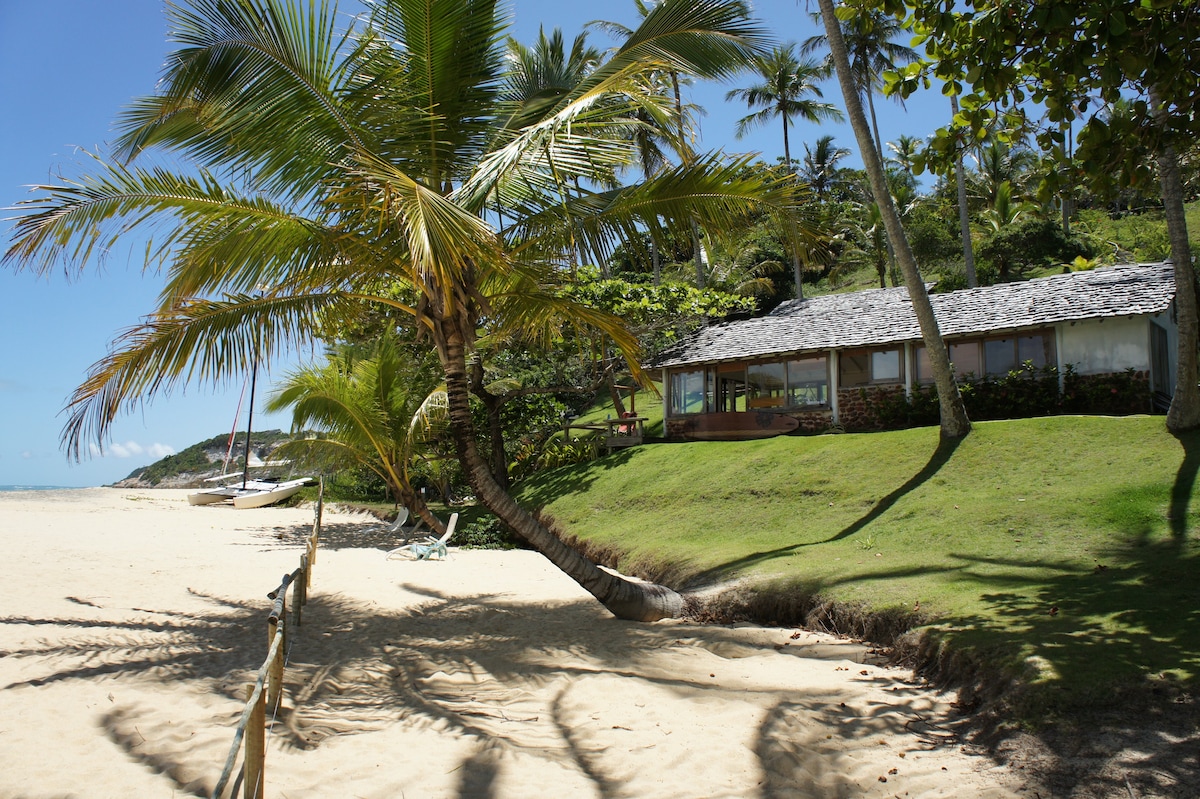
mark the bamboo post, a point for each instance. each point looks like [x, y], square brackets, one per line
[256, 748]
[300, 598]
[275, 670]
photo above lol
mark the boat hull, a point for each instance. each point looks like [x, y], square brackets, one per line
[260, 499]
[255, 493]
[738, 426]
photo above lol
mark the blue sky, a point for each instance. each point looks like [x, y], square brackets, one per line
[66, 68]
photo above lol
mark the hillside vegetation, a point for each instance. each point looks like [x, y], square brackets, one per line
[1059, 550]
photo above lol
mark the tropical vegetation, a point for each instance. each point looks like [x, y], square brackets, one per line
[489, 237]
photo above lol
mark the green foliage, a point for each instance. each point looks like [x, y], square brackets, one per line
[1022, 393]
[485, 533]
[1118, 238]
[534, 456]
[1033, 243]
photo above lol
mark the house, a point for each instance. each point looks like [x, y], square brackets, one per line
[828, 362]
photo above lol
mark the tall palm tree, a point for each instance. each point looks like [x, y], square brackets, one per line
[331, 172]
[376, 412]
[787, 89]
[954, 421]
[869, 35]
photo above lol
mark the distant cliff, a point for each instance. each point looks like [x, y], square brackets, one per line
[190, 467]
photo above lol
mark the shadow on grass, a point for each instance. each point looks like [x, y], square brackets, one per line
[1185, 483]
[940, 457]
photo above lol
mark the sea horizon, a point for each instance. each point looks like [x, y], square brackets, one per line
[25, 487]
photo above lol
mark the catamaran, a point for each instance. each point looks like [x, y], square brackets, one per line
[250, 493]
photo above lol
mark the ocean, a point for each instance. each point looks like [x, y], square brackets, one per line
[39, 488]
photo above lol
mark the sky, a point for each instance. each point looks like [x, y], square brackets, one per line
[66, 69]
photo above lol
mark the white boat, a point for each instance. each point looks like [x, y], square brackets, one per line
[269, 496]
[251, 494]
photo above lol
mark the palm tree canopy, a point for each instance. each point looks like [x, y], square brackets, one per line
[328, 169]
[786, 90]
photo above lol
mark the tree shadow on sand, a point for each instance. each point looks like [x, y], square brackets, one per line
[501, 675]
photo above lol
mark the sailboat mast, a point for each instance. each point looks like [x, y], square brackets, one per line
[250, 419]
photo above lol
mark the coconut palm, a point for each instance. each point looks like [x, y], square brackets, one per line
[904, 152]
[869, 36]
[330, 173]
[954, 421]
[820, 167]
[786, 90]
[377, 412]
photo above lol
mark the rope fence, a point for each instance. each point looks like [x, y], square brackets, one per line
[267, 691]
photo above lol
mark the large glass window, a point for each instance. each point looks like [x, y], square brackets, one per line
[966, 359]
[808, 382]
[765, 383]
[687, 392]
[869, 367]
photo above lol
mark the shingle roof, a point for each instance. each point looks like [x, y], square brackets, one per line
[885, 316]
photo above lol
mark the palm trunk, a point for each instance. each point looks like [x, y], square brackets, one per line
[1184, 413]
[796, 271]
[954, 422]
[964, 218]
[413, 501]
[624, 598]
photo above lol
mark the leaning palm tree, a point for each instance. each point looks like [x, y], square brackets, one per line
[954, 421]
[377, 412]
[330, 173]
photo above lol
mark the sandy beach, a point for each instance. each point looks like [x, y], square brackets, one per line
[133, 624]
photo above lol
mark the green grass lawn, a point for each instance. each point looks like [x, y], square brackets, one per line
[1061, 549]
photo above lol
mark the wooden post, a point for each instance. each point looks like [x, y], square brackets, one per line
[275, 671]
[256, 749]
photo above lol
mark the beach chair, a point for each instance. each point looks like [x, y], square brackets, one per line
[428, 548]
[396, 527]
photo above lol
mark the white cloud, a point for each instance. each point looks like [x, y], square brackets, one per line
[132, 449]
[27, 455]
[160, 451]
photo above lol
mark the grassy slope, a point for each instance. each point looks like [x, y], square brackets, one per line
[989, 535]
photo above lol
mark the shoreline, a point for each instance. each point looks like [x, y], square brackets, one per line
[133, 624]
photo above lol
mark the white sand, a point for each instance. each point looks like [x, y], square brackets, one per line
[133, 624]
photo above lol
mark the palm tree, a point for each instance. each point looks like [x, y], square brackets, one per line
[376, 412]
[333, 172]
[904, 152]
[786, 90]
[871, 51]
[954, 422]
[821, 164]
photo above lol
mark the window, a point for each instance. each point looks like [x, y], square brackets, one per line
[687, 392]
[992, 357]
[765, 383]
[870, 367]
[808, 382]
[1000, 356]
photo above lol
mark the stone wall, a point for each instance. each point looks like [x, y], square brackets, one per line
[858, 408]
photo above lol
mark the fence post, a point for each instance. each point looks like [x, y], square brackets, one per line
[256, 749]
[275, 670]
